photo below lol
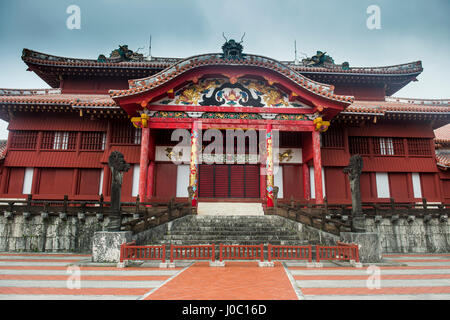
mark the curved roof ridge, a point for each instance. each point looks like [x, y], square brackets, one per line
[32, 54]
[419, 101]
[28, 92]
[397, 67]
[147, 83]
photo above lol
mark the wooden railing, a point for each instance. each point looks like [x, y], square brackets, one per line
[336, 218]
[140, 215]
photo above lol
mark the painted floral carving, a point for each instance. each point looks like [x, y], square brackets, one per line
[221, 92]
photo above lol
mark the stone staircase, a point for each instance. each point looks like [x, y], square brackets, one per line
[244, 230]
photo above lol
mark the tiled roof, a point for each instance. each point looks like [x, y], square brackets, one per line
[51, 60]
[399, 105]
[442, 135]
[3, 144]
[165, 62]
[53, 97]
[406, 68]
[442, 146]
[151, 82]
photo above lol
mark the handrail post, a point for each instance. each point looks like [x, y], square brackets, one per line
[317, 254]
[269, 252]
[213, 253]
[66, 198]
[220, 253]
[310, 253]
[392, 201]
[164, 253]
[262, 252]
[171, 253]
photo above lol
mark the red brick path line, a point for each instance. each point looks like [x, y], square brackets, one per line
[235, 281]
[45, 255]
[383, 277]
[87, 278]
[367, 291]
[82, 268]
[40, 260]
[421, 260]
[415, 255]
[65, 291]
[382, 268]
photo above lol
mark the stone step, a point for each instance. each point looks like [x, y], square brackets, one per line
[229, 242]
[186, 229]
[231, 237]
[220, 232]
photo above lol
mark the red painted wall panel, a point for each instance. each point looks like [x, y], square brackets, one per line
[15, 184]
[361, 92]
[399, 164]
[55, 181]
[89, 181]
[400, 187]
[292, 182]
[56, 121]
[127, 185]
[446, 190]
[97, 85]
[395, 129]
[368, 192]
[337, 188]
[53, 159]
[165, 180]
[335, 157]
[430, 191]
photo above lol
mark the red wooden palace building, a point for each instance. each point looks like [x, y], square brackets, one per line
[310, 116]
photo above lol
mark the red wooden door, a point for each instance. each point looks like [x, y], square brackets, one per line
[229, 181]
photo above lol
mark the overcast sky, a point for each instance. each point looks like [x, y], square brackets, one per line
[410, 30]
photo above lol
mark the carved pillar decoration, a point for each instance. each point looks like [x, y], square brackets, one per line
[193, 177]
[118, 166]
[306, 182]
[317, 159]
[353, 170]
[262, 181]
[269, 166]
[142, 122]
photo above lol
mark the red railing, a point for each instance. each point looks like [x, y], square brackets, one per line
[241, 252]
[129, 251]
[341, 252]
[198, 252]
[289, 252]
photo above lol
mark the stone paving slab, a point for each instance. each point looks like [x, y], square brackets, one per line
[415, 277]
[363, 283]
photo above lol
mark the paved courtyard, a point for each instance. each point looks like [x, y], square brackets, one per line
[69, 276]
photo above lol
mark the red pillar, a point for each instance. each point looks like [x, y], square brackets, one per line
[143, 162]
[262, 181]
[193, 177]
[269, 166]
[306, 182]
[317, 159]
[150, 180]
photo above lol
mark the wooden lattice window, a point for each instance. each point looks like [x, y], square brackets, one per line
[59, 140]
[419, 147]
[93, 140]
[333, 138]
[388, 146]
[24, 139]
[358, 145]
[126, 134]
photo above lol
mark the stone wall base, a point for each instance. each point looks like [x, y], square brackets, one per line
[106, 245]
[369, 245]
